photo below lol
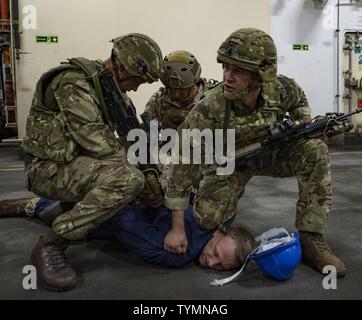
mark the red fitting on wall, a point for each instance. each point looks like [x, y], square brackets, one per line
[4, 8]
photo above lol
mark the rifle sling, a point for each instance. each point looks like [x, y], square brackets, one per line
[228, 106]
[93, 70]
[226, 118]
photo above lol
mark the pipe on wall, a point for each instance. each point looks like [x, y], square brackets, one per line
[15, 23]
[338, 35]
[350, 48]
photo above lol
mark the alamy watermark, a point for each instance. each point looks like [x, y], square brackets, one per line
[330, 280]
[30, 17]
[30, 280]
[207, 147]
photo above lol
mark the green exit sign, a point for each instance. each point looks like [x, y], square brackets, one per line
[47, 39]
[303, 47]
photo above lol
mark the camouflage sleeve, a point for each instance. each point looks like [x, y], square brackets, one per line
[83, 119]
[153, 107]
[296, 102]
[180, 176]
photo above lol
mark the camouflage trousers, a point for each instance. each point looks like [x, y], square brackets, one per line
[99, 188]
[308, 160]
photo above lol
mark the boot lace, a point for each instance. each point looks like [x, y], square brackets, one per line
[321, 244]
[55, 258]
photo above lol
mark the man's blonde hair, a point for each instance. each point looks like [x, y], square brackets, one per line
[244, 238]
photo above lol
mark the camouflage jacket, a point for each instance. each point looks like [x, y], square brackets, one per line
[249, 127]
[65, 119]
[168, 113]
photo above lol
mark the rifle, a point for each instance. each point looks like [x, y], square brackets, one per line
[123, 117]
[259, 155]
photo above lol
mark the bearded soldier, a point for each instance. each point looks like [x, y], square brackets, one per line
[250, 100]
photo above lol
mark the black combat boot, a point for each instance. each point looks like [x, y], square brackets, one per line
[54, 272]
[14, 207]
[317, 254]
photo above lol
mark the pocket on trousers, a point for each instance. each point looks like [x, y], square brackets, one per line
[41, 178]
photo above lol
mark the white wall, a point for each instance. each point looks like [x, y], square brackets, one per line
[85, 26]
[300, 22]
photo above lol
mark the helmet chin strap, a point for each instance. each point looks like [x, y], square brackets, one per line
[221, 282]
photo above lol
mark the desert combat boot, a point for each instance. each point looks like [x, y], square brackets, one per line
[317, 254]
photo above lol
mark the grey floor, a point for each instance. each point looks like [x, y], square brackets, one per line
[106, 271]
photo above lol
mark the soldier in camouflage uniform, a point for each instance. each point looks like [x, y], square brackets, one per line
[72, 153]
[250, 100]
[183, 88]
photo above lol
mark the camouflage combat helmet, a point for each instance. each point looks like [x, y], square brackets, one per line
[140, 56]
[180, 70]
[253, 50]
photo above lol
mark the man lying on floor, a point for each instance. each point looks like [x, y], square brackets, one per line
[142, 231]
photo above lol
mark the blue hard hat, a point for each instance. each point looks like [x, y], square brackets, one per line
[280, 262]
